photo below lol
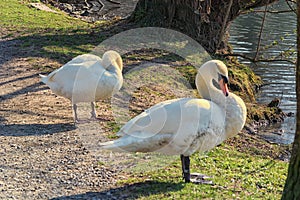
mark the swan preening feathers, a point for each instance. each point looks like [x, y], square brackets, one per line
[184, 126]
[87, 78]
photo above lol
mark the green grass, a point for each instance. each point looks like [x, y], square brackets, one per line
[18, 16]
[235, 175]
[115, 127]
[45, 34]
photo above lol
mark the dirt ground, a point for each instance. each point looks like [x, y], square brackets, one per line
[43, 155]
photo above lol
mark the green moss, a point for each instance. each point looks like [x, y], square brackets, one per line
[243, 81]
[258, 112]
[189, 72]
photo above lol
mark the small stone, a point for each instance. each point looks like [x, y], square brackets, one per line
[274, 103]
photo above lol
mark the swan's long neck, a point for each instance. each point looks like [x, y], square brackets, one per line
[114, 68]
[112, 58]
[234, 107]
[206, 89]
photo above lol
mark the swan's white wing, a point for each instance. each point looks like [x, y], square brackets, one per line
[96, 68]
[236, 114]
[76, 69]
[84, 58]
[68, 71]
[179, 126]
[153, 120]
[84, 79]
[74, 78]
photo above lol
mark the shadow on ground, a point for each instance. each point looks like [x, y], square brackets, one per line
[62, 45]
[35, 87]
[34, 129]
[133, 191]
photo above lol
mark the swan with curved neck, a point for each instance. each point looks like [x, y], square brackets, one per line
[87, 78]
[232, 104]
[184, 126]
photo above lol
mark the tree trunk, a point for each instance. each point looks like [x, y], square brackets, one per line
[205, 21]
[292, 184]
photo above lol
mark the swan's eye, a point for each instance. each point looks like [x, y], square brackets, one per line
[225, 79]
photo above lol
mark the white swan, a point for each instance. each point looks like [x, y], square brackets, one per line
[183, 126]
[87, 78]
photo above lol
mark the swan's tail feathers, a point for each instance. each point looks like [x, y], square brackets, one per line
[131, 143]
[112, 146]
[44, 78]
[124, 144]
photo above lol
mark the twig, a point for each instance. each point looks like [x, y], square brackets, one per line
[281, 97]
[113, 2]
[87, 4]
[291, 7]
[256, 4]
[224, 23]
[273, 11]
[260, 32]
[268, 11]
[256, 60]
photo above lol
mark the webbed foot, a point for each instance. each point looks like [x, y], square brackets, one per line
[198, 178]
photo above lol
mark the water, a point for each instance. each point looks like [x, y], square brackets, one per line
[279, 77]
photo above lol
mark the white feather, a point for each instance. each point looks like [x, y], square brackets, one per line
[183, 126]
[87, 78]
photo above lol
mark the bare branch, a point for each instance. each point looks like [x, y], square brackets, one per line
[268, 11]
[293, 1]
[250, 4]
[260, 32]
[224, 23]
[291, 7]
[113, 2]
[256, 60]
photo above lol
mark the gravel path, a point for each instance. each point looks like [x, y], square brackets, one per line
[42, 154]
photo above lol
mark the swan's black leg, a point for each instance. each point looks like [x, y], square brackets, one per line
[76, 119]
[194, 177]
[93, 113]
[185, 163]
[75, 113]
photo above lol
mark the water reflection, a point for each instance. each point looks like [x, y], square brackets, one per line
[279, 77]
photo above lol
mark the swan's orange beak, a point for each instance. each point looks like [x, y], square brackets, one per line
[224, 87]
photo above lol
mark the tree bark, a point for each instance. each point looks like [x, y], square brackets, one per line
[292, 184]
[206, 21]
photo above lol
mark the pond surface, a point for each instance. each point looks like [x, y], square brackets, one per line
[278, 77]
